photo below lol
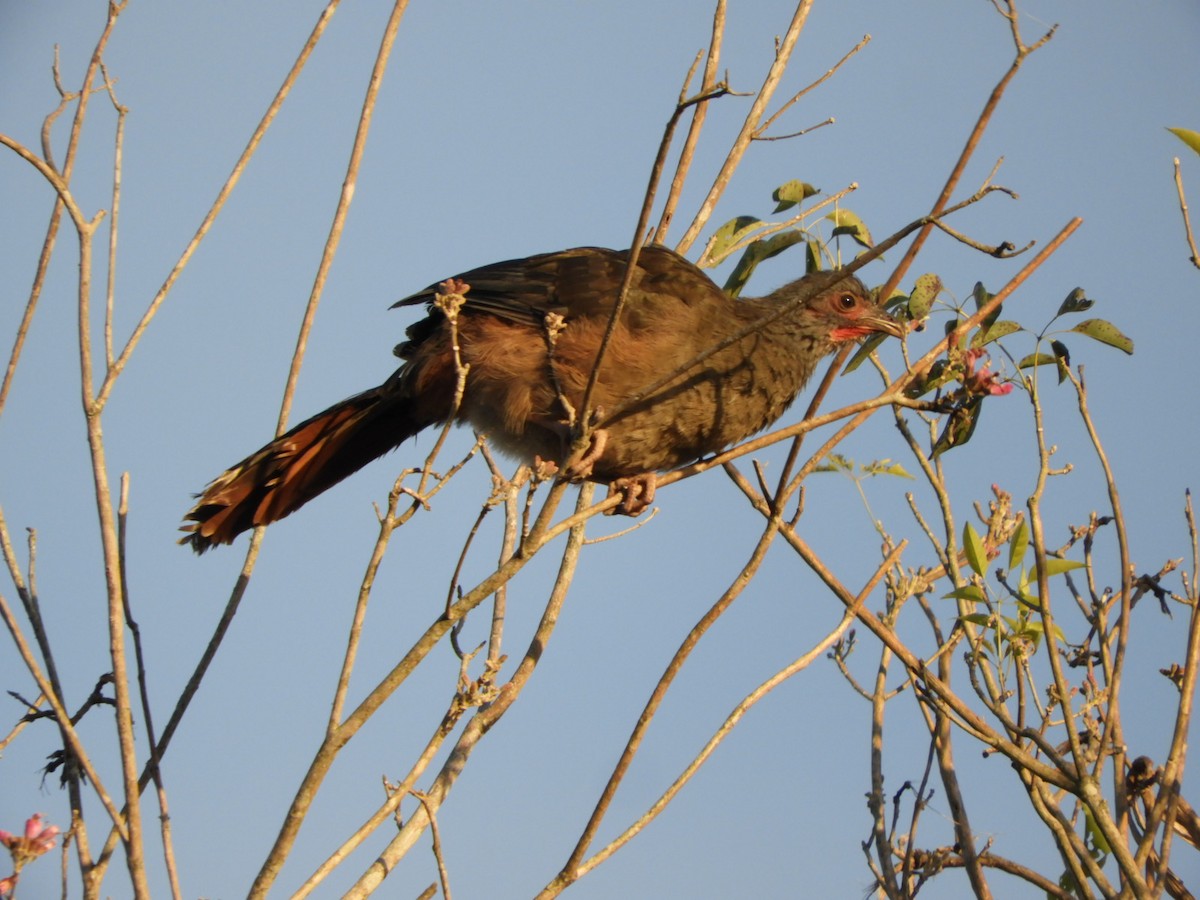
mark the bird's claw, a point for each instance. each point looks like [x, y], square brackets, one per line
[637, 492]
[544, 469]
[582, 467]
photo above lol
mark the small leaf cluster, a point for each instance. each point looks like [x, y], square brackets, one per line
[836, 462]
[1012, 629]
[759, 239]
[963, 378]
[1097, 329]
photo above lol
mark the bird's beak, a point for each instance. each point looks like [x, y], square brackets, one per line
[882, 322]
[866, 324]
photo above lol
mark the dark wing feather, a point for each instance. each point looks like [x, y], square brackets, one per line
[578, 283]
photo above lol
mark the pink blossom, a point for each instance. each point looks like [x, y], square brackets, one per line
[7, 884]
[40, 834]
[983, 381]
[37, 839]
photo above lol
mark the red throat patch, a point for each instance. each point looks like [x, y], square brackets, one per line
[849, 333]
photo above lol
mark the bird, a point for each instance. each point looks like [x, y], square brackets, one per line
[528, 332]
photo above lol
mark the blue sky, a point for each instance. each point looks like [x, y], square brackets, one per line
[504, 130]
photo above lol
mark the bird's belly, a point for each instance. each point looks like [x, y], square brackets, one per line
[701, 417]
[514, 400]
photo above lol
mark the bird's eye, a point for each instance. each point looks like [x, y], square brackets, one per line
[846, 302]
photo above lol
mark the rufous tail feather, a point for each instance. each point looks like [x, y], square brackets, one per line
[295, 467]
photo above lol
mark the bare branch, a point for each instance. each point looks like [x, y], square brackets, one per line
[1183, 210]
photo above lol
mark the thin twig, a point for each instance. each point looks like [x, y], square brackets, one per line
[114, 217]
[1113, 735]
[760, 132]
[487, 717]
[43, 265]
[540, 534]
[876, 802]
[144, 696]
[73, 742]
[271, 867]
[219, 203]
[571, 868]
[585, 424]
[388, 809]
[976, 135]
[431, 812]
[688, 153]
[731, 721]
[1183, 209]
[745, 136]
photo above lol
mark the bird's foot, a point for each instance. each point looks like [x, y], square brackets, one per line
[637, 492]
[581, 468]
[576, 469]
[544, 469]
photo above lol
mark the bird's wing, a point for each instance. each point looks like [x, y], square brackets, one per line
[581, 282]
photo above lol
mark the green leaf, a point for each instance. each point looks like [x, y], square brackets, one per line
[1016, 626]
[1017, 545]
[937, 375]
[885, 467]
[846, 222]
[982, 296]
[1032, 601]
[1076, 302]
[971, 593]
[973, 547]
[812, 257]
[983, 620]
[721, 243]
[1035, 627]
[1058, 566]
[1189, 137]
[1029, 630]
[960, 425]
[863, 352]
[897, 305]
[1062, 357]
[756, 253]
[790, 193]
[994, 332]
[1105, 333]
[1037, 359]
[924, 291]
[835, 462]
[1099, 841]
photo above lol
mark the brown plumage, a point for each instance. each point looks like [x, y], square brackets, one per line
[516, 381]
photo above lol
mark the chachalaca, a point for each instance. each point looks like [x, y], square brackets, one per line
[529, 330]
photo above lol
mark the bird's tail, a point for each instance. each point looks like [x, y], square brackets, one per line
[296, 467]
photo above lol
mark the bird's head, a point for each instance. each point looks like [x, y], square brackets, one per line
[844, 308]
[834, 308]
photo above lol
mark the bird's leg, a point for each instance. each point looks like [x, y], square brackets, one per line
[553, 325]
[638, 493]
[582, 467]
